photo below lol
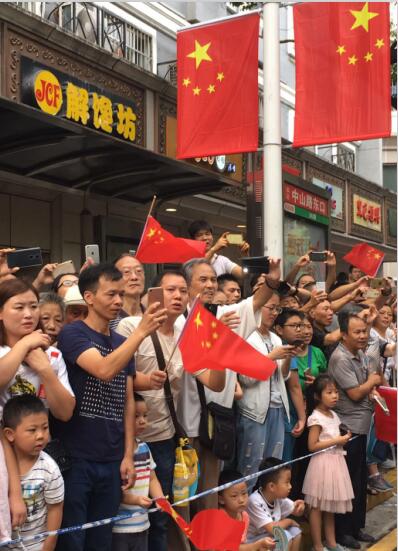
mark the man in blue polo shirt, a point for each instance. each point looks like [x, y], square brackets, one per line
[99, 436]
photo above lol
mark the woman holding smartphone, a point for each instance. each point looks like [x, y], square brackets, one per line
[28, 364]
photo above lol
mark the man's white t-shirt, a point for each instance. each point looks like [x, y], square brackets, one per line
[189, 409]
[222, 265]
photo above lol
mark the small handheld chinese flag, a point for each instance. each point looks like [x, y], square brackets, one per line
[158, 245]
[342, 72]
[208, 343]
[386, 425]
[366, 258]
[217, 101]
[210, 529]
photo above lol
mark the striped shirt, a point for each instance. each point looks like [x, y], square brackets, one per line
[144, 464]
[41, 486]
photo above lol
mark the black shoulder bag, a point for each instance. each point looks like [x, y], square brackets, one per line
[217, 427]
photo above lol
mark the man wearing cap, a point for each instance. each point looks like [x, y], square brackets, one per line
[75, 307]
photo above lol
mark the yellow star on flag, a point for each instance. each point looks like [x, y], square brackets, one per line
[220, 76]
[368, 57]
[197, 321]
[352, 60]
[363, 17]
[186, 82]
[341, 50]
[151, 233]
[211, 89]
[196, 91]
[379, 43]
[200, 53]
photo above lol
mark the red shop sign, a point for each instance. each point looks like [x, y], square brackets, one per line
[305, 200]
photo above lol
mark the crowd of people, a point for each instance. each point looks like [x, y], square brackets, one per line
[93, 394]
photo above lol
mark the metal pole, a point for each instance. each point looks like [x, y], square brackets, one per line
[272, 162]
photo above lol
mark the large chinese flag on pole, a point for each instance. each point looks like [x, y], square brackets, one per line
[208, 343]
[342, 72]
[217, 102]
[366, 258]
[158, 245]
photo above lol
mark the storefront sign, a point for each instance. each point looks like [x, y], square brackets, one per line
[220, 162]
[305, 204]
[58, 94]
[366, 213]
[336, 203]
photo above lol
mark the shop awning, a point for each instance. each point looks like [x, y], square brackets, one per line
[57, 151]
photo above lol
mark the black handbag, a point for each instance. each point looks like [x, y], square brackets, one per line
[56, 449]
[217, 427]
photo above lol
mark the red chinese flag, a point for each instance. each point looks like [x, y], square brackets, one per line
[386, 425]
[158, 245]
[217, 101]
[366, 258]
[208, 343]
[342, 72]
[210, 529]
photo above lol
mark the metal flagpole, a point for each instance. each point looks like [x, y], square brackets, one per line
[272, 161]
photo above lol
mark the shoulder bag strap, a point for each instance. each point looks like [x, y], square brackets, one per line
[180, 433]
[202, 397]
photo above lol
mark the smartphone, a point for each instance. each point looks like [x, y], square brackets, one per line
[255, 265]
[235, 238]
[92, 251]
[316, 256]
[283, 289]
[212, 308]
[371, 293]
[343, 429]
[155, 294]
[376, 283]
[25, 258]
[298, 342]
[382, 403]
[66, 267]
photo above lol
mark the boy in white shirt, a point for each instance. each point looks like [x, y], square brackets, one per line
[270, 507]
[131, 534]
[25, 422]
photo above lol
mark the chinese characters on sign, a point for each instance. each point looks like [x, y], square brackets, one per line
[366, 213]
[304, 199]
[84, 106]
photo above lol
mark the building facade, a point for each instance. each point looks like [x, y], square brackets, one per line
[88, 91]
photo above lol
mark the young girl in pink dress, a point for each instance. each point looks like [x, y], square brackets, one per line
[327, 485]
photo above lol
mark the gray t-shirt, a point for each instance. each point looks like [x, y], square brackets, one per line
[349, 371]
[276, 398]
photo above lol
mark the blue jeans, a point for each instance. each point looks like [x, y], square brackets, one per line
[377, 450]
[289, 440]
[163, 454]
[257, 441]
[92, 492]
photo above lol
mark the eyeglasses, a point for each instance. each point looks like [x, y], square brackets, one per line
[295, 326]
[68, 283]
[276, 309]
